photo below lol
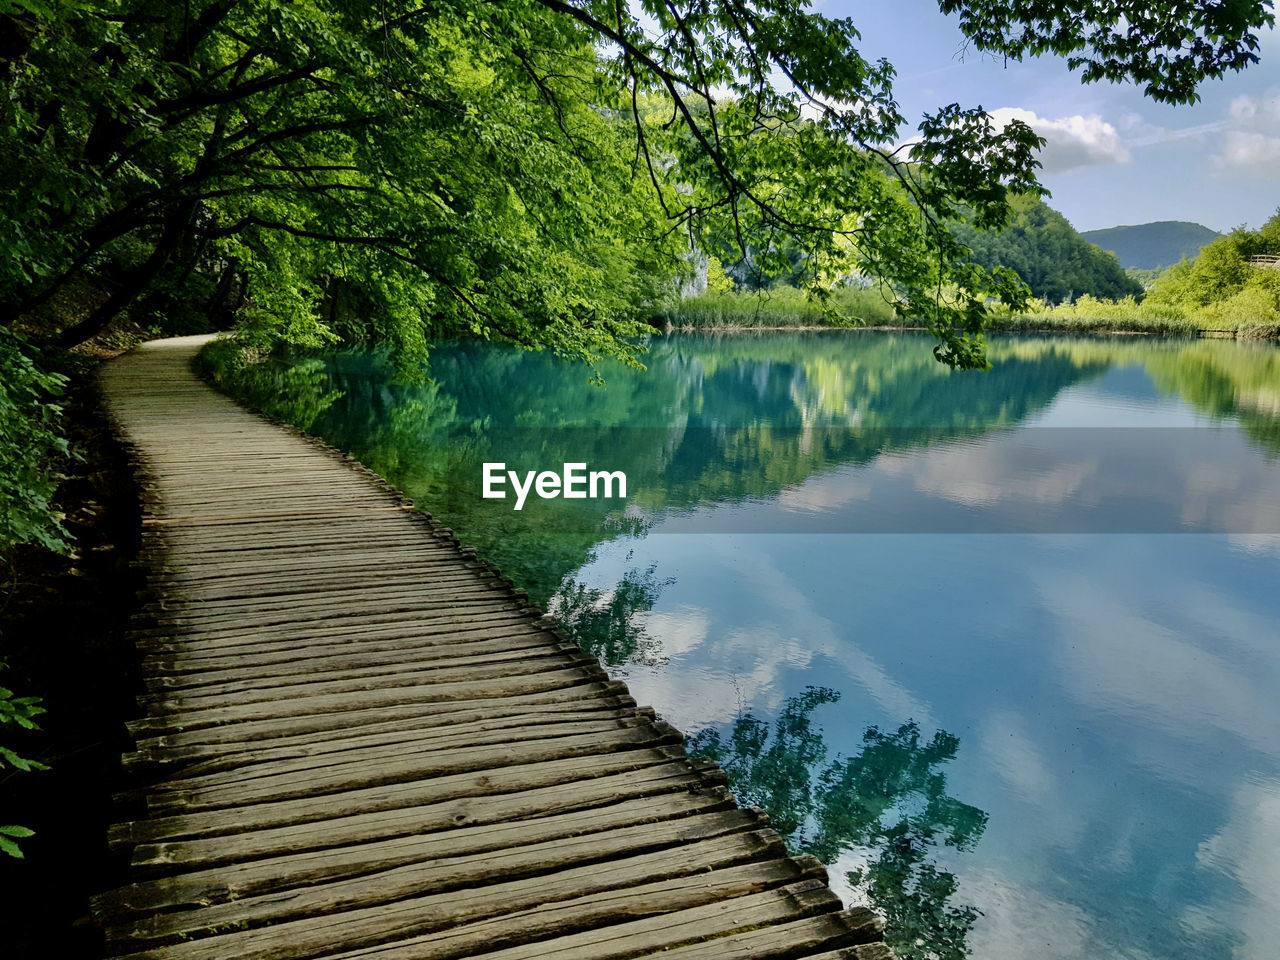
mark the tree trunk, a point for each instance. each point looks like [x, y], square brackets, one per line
[135, 281]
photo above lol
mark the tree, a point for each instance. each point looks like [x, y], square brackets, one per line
[1168, 47]
[1049, 255]
[606, 623]
[1222, 271]
[888, 801]
[533, 170]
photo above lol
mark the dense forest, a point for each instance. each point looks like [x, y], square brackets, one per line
[1055, 261]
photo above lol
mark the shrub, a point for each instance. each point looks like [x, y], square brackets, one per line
[18, 712]
[30, 446]
[1255, 307]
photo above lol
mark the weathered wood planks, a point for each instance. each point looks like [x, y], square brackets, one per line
[357, 740]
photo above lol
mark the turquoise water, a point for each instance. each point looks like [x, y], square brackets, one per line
[1040, 603]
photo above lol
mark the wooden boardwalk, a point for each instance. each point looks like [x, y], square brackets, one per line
[358, 741]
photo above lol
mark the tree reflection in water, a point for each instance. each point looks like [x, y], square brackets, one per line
[888, 803]
[604, 623]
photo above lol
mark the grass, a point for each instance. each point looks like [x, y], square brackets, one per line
[788, 307]
[781, 307]
[1249, 314]
[1088, 315]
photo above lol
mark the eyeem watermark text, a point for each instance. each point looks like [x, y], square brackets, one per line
[573, 482]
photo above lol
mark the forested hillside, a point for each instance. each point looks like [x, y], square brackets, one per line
[1149, 246]
[1055, 261]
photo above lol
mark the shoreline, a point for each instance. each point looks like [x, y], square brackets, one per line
[1196, 334]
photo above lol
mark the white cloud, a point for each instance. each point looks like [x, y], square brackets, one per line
[1251, 145]
[1162, 678]
[1252, 152]
[1019, 920]
[1244, 850]
[981, 476]
[741, 660]
[1251, 111]
[1070, 142]
[823, 494]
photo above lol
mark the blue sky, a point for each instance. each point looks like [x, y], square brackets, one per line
[1113, 156]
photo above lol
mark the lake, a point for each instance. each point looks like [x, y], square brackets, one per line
[1002, 647]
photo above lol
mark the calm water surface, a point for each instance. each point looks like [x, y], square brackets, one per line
[1007, 641]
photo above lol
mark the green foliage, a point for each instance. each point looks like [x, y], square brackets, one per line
[717, 280]
[30, 446]
[369, 168]
[531, 171]
[1048, 254]
[889, 800]
[1151, 246]
[921, 922]
[1146, 278]
[17, 712]
[1220, 289]
[1253, 309]
[9, 833]
[1168, 47]
[288, 387]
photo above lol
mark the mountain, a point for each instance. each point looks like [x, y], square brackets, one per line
[1151, 245]
[1050, 256]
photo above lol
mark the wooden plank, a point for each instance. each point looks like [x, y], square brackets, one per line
[483, 640]
[570, 899]
[283, 539]
[205, 758]
[214, 641]
[862, 951]
[175, 699]
[394, 763]
[388, 696]
[785, 940]
[185, 569]
[382, 876]
[408, 608]
[246, 734]
[356, 750]
[353, 602]
[424, 576]
[232, 881]
[700, 916]
[483, 796]
[490, 731]
[294, 667]
[664, 934]
[234, 542]
[211, 841]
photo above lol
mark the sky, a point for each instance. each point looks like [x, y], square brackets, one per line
[1113, 157]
